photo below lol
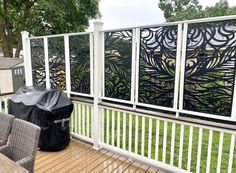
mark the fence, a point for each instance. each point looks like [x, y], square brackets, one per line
[177, 68]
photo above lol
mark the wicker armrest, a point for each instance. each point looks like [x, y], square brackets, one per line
[26, 162]
[5, 150]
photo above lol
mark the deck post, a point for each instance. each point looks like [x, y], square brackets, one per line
[27, 58]
[97, 84]
[67, 62]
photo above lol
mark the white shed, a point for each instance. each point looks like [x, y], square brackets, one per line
[11, 70]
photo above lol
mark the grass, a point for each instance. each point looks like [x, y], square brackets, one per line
[204, 148]
[3, 110]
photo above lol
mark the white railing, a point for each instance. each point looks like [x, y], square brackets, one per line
[81, 122]
[174, 145]
[169, 141]
[169, 144]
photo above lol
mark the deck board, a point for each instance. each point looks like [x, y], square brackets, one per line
[133, 167]
[81, 157]
[124, 166]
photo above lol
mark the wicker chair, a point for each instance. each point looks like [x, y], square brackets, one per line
[6, 121]
[22, 144]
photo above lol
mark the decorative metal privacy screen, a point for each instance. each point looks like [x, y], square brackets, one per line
[149, 59]
[80, 63]
[118, 61]
[56, 55]
[38, 62]
[157, 65]
[210, 67]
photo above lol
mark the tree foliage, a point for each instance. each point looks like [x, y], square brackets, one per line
[41, 17]
[177, 10]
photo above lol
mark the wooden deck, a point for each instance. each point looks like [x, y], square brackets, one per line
[81, 157]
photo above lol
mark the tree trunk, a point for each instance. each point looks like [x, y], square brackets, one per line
[6, 29]
[7, 48]
[19, 48]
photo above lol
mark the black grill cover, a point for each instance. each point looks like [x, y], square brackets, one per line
[44, 107]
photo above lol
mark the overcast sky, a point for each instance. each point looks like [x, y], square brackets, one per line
[125, 13]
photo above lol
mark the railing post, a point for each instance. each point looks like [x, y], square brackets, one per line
[67, 62]
[97, 83]
[47, 70]
[27, 58]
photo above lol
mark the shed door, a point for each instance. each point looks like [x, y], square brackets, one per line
[18, 78]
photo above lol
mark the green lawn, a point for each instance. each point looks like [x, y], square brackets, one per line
[215, 142]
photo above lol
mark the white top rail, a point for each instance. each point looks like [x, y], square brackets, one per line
[60, 35]
[210, 19]
[142, 26]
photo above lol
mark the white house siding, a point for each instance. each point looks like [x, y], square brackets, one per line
[6, 81]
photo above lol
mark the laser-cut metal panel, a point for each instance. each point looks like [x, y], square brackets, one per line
[118, 60]
[210, 67]
[56, 55]
[80, 63]
[38, 62]
[157, 65]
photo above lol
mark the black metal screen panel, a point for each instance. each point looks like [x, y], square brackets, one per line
[118, 60]
[38, 62]
[210, 67]
[157, 65]
[80, 63]
[56, 55]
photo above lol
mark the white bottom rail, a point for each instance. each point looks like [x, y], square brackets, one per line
[136, 157]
